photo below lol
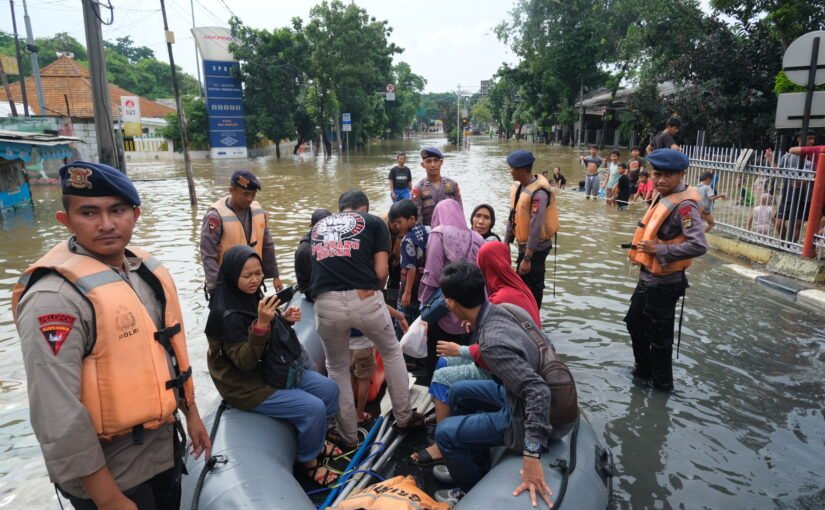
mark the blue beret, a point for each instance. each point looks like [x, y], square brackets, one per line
[428, 152]
[86, 179]
[520, 159]
[668, 160]
[245, 179]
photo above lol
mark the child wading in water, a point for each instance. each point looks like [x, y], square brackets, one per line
[708, 198]
[621, 192]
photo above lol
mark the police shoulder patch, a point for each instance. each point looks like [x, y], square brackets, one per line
[55, 328]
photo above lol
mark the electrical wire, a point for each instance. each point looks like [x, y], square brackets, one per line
[110, 8]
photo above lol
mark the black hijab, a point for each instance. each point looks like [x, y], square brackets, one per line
[492, 218]
[228, 296]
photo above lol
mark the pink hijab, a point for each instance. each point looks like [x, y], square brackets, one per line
[459, 243]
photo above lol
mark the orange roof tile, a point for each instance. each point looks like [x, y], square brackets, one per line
[67, 91]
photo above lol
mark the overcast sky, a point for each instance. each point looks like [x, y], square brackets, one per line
[446, 41]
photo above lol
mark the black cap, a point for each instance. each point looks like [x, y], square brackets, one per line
[246, 180]
[668, 160]
[86, 179]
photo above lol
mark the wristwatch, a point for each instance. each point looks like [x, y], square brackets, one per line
[532, 449]
[527, 257]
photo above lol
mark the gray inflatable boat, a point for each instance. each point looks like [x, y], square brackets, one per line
[253, 455]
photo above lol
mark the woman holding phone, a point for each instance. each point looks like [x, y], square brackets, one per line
[258, 364]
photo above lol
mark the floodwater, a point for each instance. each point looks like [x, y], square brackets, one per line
[743, 429]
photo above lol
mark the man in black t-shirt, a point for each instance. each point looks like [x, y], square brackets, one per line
[400, 179]
[665, 140]
[350, 253]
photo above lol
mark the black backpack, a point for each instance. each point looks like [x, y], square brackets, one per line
[564, 401]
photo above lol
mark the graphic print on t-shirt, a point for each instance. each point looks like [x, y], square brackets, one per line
[334, 234]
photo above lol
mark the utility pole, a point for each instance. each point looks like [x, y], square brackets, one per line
[19, 62]
[7, 89]
[104, 124]
[184, 132]
[581, 112]
[35, 65]
[197, 65]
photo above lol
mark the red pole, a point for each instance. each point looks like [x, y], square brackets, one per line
[817, 201]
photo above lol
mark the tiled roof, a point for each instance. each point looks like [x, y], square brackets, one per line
[67, 81]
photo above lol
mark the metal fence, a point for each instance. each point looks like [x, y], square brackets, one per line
[768, 200]
[146, 144]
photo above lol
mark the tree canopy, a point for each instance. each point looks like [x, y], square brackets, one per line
[724, 65]
[304, 76]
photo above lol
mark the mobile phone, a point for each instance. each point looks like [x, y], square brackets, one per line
[285, 296]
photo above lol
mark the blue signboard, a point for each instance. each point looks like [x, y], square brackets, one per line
[224, 105]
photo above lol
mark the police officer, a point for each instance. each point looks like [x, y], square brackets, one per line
[667, 239]
[433, 188]
[105, 354]
[533, 220]
[237, 219]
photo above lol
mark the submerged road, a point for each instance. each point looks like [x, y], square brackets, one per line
[743, 429]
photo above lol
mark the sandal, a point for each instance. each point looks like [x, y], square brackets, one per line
[334, 437]
[323, 478]
[417, 422]
[364, 418]
[424, 458]
[329, 450]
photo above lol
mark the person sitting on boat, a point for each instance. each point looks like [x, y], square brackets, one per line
[514, 409]
[463, 363]
[350, 253]
[483, 219]
[258, 364]
[450, 240]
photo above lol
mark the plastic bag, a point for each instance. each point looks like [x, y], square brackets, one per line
[414, 341]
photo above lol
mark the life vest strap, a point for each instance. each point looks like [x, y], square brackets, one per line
[137, 435]
[178, 381]
[164, 337]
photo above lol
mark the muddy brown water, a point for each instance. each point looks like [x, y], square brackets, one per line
[744, 428]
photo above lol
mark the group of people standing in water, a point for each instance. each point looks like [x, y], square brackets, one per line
[107, 365]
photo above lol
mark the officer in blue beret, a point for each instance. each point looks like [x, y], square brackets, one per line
[233, 219]
[433, 188]
[667, 239]
[82, 312]
[533, 220]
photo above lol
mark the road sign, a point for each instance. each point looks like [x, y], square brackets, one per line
[390, 88]
[390, 95]
[130, 111]
[791, 107]
[797, 60]
[346, 118]
[346, 127]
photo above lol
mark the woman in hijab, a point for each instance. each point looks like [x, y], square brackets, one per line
[483, 220]
[450, 240]
[258, 364]
[461, 363]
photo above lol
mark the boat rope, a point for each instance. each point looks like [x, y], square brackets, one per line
[212, 460]
[565, 467]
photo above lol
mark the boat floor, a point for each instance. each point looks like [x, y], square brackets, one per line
[399, 464]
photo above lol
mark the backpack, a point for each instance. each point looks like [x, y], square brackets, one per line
[564, 401]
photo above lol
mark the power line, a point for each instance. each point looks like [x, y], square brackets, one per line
[227, 8]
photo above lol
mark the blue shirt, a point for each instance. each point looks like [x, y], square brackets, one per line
[414, 255]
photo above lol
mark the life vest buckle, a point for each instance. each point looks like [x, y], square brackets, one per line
[178, 381]
[164, 337]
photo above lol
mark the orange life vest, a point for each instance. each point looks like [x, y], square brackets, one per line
[233, 232]
[648, 229]
[399, 493]
[521, 210]
[125, 375]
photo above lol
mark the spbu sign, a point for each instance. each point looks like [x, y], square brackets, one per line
[224, 94]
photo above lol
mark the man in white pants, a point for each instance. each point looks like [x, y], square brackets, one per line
[350, 253]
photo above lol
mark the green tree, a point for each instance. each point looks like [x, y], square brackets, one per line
[197, 123]
[482, 114]
[272, 65]
[786, 19]
[126, 47]
[408, 89]
[350, 60]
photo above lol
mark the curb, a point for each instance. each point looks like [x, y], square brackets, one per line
[808, 296]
